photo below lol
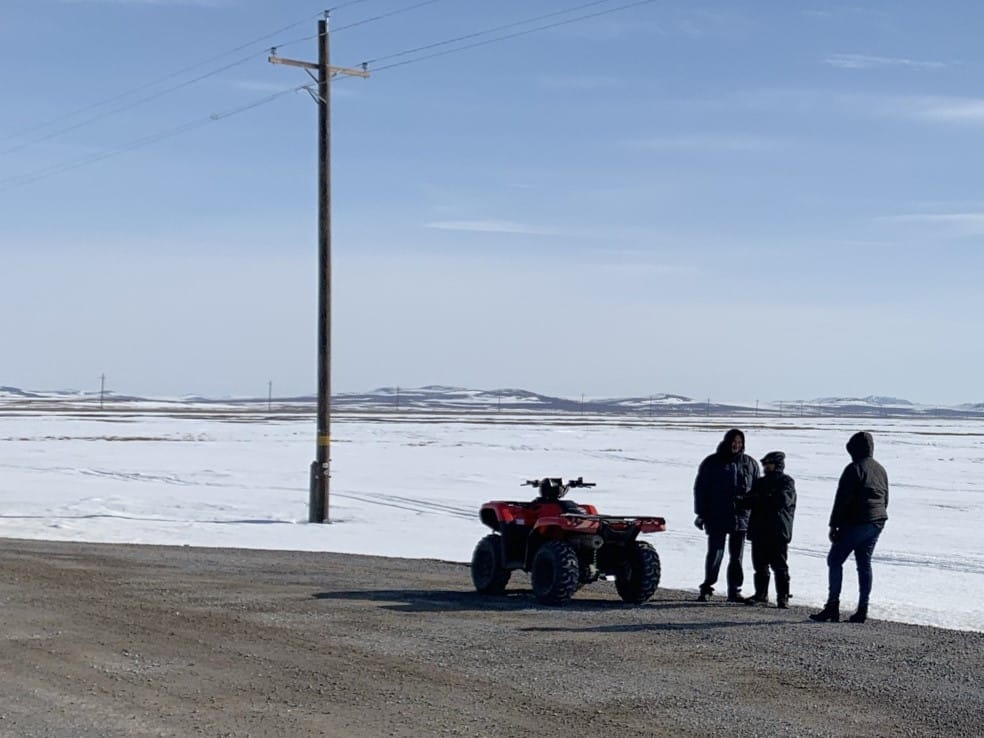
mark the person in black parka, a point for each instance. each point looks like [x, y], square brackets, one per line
[856, 522]
[723, 481]
[772, 502]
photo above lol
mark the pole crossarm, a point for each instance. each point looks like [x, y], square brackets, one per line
[333, 71]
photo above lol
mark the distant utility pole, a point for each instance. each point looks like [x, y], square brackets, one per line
[318, 502]
[102, 390]
[397, 397]
[270, 395]
[756, 408]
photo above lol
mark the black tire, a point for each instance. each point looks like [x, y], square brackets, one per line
[638, 576]
[488, 573]
[555, 574]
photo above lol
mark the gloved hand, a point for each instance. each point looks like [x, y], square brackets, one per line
[833, 535]
[699, 522]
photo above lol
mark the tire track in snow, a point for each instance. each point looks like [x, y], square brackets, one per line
[413, 504]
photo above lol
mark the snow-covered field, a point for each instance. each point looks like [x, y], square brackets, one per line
[412, 487]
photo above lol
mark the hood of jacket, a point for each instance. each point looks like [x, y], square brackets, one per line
[724, 448]
[861, 446]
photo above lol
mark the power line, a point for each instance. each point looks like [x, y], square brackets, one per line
[158, 81]
[129, 106]
[181, 85]
[486, 31]
[364, 21]
[32, 177]
[508, 36]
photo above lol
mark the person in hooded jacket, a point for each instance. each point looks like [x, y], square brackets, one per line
[723, 480]
[858, 518]
[772, 502]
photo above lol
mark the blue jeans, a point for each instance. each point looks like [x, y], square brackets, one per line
[716, 541]
[859, 540]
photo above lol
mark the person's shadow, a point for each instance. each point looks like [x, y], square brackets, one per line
[427, 600]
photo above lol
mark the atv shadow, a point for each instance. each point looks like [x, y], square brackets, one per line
[429, 600]
[644, 627]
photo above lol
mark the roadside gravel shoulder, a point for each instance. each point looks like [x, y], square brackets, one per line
[118, 640]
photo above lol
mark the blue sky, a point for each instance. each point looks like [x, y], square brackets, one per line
[729, 200]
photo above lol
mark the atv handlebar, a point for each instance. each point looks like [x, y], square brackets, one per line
[558, 482]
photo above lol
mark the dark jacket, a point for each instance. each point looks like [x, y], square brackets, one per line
[723, 480]
[862, 493]
[773, 505]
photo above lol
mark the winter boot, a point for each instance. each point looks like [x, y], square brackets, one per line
[734, 595]
[829, 613]
[761, 596]
[782, 591]
[861, 615]
[705, 593]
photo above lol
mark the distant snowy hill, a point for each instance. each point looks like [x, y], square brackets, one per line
[446, 399]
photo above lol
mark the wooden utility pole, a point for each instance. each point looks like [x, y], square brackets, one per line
[102, 390]
[318, 501]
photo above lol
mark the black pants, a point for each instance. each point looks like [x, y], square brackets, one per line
[716, 541]
[770, 554]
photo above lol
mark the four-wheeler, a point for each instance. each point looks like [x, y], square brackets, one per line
[564, 545]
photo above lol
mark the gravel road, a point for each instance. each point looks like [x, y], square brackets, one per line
[116, 640]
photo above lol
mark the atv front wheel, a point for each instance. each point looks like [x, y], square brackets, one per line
[637, 577]
[488, 573]
[556, 573]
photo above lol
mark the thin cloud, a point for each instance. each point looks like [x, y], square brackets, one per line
[199, 3]
[866, 61]
[708, 142]
[492, 226]
[580, 82]
[966, 223]
[951, 109]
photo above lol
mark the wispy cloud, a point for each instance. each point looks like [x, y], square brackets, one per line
[580, 81]
[492, 226]
[950, 109]
[867, 61]
[965, 223]
[199, 3]
[708, 142]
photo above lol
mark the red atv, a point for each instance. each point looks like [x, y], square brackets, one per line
[564, 545]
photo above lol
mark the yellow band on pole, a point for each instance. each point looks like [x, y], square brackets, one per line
[324, 440]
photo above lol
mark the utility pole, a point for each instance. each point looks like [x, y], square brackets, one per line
[318, 501]
[269, 395]
[102, 390]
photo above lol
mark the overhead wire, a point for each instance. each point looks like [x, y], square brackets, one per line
[364, 21]
[32, 177]
[181, 85]
[154, 138]
[487, 31]
[506, 37]
[159, 80]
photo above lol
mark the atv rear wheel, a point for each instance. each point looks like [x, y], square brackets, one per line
[556, 573]
[488, 573]
[637, 577]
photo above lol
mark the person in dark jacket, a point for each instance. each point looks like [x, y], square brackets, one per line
[859, 515]
[723, 480]
[772, 502]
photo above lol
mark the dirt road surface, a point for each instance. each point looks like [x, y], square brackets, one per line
[115, 640]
